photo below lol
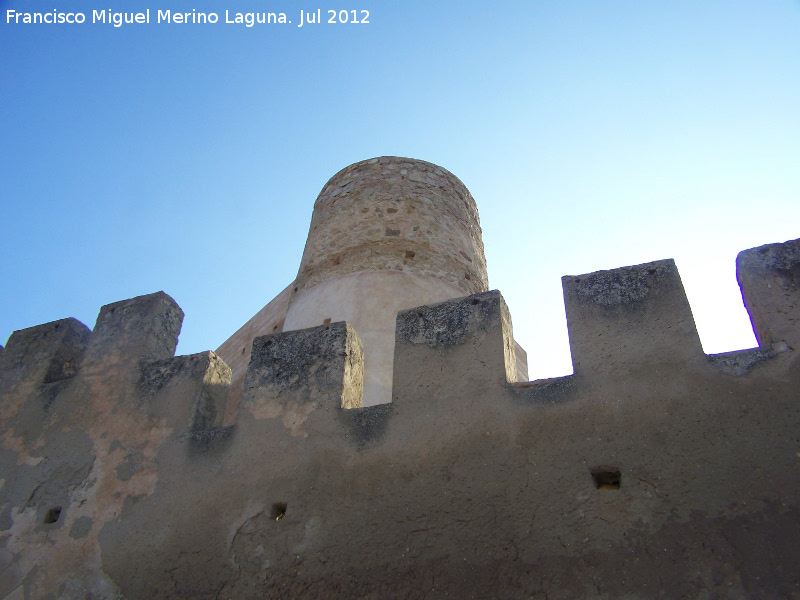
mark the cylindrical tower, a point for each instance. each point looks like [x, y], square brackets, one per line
[386, 234]
[395, 214]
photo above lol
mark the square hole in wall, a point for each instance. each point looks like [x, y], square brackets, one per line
[606, 477]
[278, 511]
[52, 515]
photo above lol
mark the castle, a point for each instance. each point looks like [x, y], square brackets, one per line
[371, 432]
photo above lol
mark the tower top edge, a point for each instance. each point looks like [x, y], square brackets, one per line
[395, 161]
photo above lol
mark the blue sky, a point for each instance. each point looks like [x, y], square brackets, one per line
[592, 134]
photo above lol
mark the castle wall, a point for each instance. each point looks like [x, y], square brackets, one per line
[386, 234]
[369, 302]
[769, 277]
[626, 317]
[652, 471]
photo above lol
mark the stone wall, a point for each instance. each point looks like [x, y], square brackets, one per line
[387, 234]
[654, 471]
[398, 214]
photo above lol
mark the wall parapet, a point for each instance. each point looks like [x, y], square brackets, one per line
[44, 353]
[458, 343]
[105, 442]
[769, 277]
[322, 364]
[190, 392]
[629, 316]
[142, 327]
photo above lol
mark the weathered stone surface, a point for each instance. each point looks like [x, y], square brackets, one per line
[770, 280]
[741, 362]
[489, 484]
[77, 440]
[43, 486]
[462, 342]
[305, 368]
[10, 576]
[366, 426]
[43, 354]
[189, 391]
[142, 327]
[393, 213]
[552, 391]
[624, 317]
[627, 285]
[651, 472]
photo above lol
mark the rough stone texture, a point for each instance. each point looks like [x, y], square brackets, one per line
[470, 337]
[118, 480]
[293, 373]
[43, 354]
[623, 317]
[397, 214]
[75, 450]
[369, 302]
[552, 391]
[466, 486]
[742, 361]
[235, 351]
[142, 327]
[769, 277]
[201, 381]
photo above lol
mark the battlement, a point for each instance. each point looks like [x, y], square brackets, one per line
[769, 277]
[618, 320]
[629, 316]
[113, 450]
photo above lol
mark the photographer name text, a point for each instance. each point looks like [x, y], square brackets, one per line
[158, 16]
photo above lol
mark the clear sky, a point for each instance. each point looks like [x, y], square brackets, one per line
[593, 134]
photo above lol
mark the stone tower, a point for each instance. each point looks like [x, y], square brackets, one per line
[387, 234]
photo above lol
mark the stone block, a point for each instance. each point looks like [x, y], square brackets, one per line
[322, 366]
[189, 391]
[629, 316]
[769, 277]
[462, 342]
[145, 327]
[43, 354]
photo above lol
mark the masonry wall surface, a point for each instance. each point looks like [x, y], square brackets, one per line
[386, 234]
[118, 480]
[369, 302]
[398, 214]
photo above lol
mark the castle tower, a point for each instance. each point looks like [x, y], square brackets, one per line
[387, 234]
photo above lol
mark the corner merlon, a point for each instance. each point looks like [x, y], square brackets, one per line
[43, 354]
[769, 277]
